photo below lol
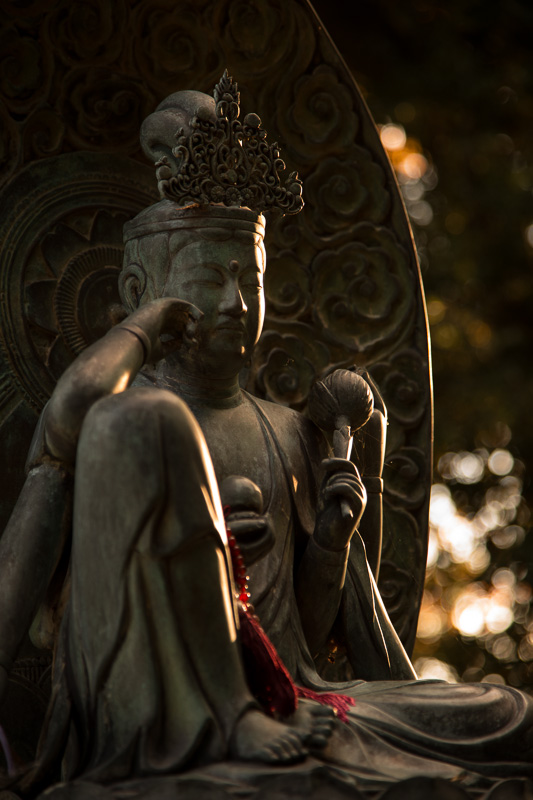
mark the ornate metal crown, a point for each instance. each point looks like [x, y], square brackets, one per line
[228, 162]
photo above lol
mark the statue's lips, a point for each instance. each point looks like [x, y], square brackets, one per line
[232, 327]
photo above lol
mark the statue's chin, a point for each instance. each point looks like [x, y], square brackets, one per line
[225, 359]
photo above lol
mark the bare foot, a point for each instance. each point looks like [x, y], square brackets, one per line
[314, 722]
[258, 737]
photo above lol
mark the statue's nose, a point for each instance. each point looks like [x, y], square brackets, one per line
[233, 303]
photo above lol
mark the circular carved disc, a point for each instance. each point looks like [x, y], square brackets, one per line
[60, 259]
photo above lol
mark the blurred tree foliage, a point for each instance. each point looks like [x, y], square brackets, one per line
[457, 77]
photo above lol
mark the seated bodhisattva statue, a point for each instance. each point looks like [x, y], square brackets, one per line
[149, 452]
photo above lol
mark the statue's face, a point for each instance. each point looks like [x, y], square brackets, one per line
[224, 279]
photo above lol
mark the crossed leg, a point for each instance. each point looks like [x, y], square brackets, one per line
[155, 669]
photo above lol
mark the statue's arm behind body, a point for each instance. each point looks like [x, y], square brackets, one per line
[30, 549]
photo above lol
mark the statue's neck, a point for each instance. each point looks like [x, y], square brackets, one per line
[198, 389]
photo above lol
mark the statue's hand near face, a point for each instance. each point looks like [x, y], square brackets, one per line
[110, 365]
[334, 527]
[164, 326]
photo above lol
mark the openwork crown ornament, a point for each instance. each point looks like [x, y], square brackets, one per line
[224, 161]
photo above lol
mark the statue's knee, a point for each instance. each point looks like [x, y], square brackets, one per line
[138, 419]
[142, 456]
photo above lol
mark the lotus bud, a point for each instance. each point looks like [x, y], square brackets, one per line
[342, 399]
[341, 404]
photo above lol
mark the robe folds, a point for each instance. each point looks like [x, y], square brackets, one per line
[130, 694]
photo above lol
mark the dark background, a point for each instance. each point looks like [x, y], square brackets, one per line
[466, 68]
[458, 76]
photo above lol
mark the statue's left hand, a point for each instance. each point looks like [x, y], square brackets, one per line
[334, 528]
[253, 533]
[243, 503]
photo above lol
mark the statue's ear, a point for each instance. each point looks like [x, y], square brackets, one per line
[132, 285]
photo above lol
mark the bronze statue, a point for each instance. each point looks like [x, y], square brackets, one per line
[147, 436]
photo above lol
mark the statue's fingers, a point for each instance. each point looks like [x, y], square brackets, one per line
[353, 481]
[349, 477]
[247, 528]
[346, 492]
[340, 465]
[180, 327]
[181, 309]
[255, 537]
[194, 312]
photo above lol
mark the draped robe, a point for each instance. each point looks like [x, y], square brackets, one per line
[128, 696]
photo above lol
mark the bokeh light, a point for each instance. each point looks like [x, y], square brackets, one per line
[414, 166]
[436, 310]
[452, 533]
[393, 137]
[416, 175]
[479, 610]
[435, 669]
[500, 462]
[488, 606]
[421, 212]
[474, 593]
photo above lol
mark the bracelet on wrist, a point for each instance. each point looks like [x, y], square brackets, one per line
[141, 335]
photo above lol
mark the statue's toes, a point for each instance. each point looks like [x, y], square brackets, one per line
[318, 738]
[323, 730]
[261, 738]
[322, 722]
[286, 750]
[324, 712]
[294, 749]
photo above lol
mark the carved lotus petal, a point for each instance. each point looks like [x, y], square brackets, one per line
[285, 365]
[321, 118]
[363, 290]
[341, 192]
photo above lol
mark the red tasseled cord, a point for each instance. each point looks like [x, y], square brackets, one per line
[267, 675]
[340, 702]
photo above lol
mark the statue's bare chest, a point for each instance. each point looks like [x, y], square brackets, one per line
[237, 444]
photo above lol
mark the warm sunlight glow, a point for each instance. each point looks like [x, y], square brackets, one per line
[414, 166]
[393, 137]
[122, 383]
[436, 669]
[500, 462]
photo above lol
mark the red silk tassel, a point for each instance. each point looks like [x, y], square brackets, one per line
[340, 702]
[267, 675]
